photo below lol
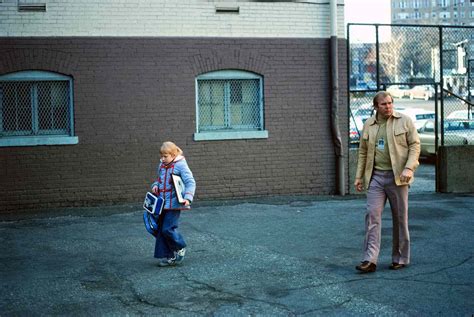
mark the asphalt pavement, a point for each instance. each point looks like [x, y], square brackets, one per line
[272, 256]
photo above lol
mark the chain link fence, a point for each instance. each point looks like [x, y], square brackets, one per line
[458, 120]
[470, 80]
[429, 70]
[360, 110]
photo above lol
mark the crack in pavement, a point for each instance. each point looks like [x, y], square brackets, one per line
[337, 305]
[236, 295]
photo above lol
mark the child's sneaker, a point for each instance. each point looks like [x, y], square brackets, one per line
[179, 255]
[166, 261]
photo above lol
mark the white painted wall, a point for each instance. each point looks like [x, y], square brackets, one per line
[191, 18]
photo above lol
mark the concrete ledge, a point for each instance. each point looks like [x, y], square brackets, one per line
[38, 140]
[234, 135]
[456, 169]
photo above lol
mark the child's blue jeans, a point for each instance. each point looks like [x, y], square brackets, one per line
[168, 238]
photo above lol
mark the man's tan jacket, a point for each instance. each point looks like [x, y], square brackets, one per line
[403, 144]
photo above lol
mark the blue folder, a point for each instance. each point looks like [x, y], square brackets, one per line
[153, 204]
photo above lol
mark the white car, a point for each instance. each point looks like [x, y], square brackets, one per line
[424, 92]
[456, 132]
[357, 120]
[398, 91]
[461, 114]
[418, 116]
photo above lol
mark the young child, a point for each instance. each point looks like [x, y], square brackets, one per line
[170, 245]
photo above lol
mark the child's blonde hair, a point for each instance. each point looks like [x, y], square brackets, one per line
[169, 147]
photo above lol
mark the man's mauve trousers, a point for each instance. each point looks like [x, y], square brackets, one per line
[382, 187]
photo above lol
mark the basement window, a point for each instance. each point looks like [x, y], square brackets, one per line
[229, 106]
[36, 108]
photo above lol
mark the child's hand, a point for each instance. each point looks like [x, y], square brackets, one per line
[187, 203]
[155, 190]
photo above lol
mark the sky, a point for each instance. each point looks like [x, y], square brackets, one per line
[367, 11]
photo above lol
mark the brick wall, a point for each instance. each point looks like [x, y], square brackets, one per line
[131, 94]
[170, 18]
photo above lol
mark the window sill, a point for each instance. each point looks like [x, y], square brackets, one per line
[38, 140]
[234, 135]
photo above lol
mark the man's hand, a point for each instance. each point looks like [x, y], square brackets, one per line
[406, 175]
[155, 190]
[358, 185]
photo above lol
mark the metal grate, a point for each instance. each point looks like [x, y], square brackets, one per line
[32, 7]
[34, 108]
[229, 105]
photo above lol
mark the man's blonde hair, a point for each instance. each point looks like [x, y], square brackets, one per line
[381, 94]
[169, 147]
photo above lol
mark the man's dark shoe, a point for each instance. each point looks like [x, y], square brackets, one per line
[396, 266]
[366, 267]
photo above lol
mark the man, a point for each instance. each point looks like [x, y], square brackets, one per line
[388, 156]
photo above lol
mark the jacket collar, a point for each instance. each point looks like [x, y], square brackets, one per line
[178, 158]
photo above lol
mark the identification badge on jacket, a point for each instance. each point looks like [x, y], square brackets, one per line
[381, 144]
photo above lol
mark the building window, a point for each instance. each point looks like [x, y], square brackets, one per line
[229, 106]
[444, 3]
[403, 16]
[36, 108]
[444, 15]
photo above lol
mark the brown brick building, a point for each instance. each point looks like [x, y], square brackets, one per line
[130, 93]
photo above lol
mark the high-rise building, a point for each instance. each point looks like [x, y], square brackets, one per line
[438, 12]
[458, 43]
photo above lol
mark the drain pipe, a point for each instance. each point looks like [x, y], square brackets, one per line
[336, 133]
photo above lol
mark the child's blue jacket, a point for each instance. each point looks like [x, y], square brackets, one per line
[165, 183]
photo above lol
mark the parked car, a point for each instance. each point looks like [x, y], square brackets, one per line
[366, 85]
[461, 114]
[418, 116]
[354, 135]
[357, 120]
[398, 91]
[456, 132]
[424, 92]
